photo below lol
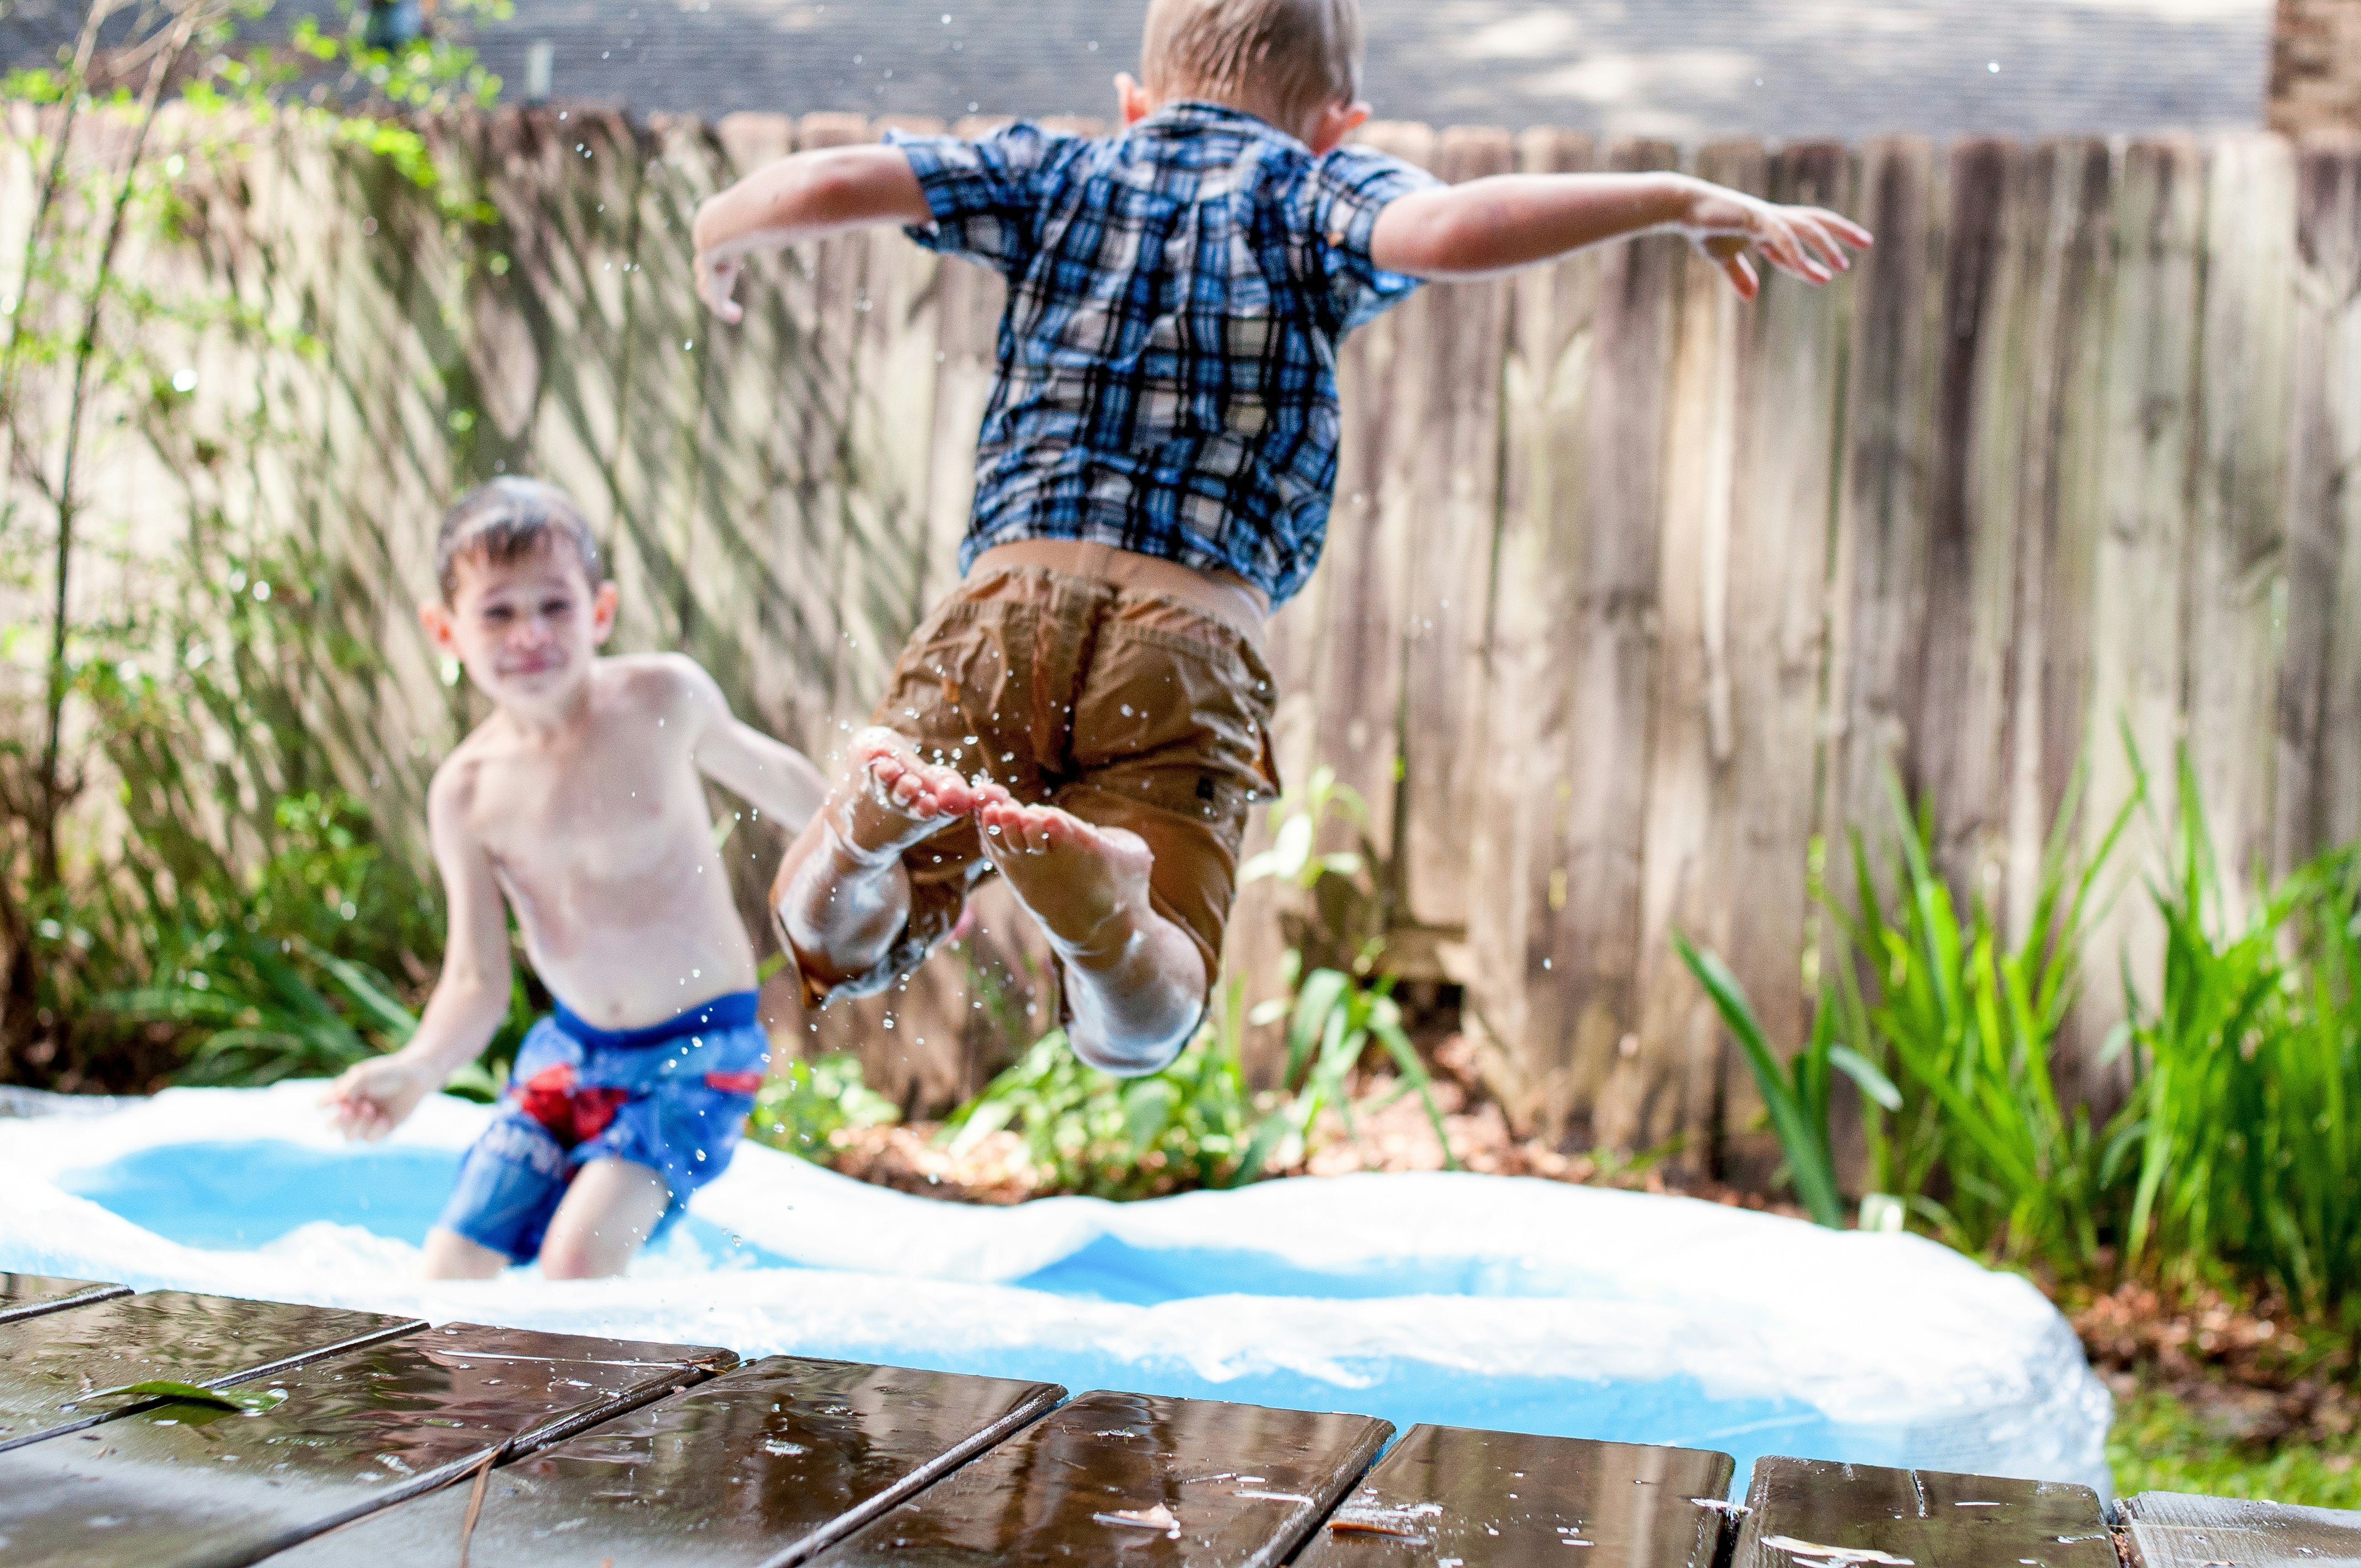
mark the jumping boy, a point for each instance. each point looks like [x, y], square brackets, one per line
[580, 800]
[1087, 712]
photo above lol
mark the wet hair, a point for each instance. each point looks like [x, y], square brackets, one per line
[508, 519]
[1283, 60]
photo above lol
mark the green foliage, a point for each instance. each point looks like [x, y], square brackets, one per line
[803, 1102]
[1948, 1029]
[190, 1393]
[1968, 1022]
[1088, 1131]
[2236, 1161]
[1796, 1094]
[1197, 1123]
[222, 846]
[1344, 896]
[1332, 1023]
[2157, 1444]
[2248, 1070]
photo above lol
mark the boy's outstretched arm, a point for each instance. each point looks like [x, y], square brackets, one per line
[1506, 221]
[471, 996]
[807, 195]
[772, 777]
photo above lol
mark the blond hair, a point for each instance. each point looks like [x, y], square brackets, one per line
[1283, 60]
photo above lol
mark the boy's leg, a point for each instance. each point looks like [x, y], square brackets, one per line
[1131, 870]
[450, 1255]
[843, 893]
[1135, 980]
[612, 1207]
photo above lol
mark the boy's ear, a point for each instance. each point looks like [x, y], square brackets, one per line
[1132, 101]
[435, 617]
[1335, 123]
[602, 614]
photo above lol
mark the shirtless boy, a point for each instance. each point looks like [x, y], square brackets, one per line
[1087, 712]
[581, 801]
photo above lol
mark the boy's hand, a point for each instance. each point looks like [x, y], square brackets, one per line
[1807, 242]
[373, 1097]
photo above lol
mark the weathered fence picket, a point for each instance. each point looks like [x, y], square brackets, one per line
[1634, 594]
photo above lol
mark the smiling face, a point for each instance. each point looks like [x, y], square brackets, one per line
[526, 629]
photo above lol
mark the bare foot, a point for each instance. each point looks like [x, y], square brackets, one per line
[1137, 981]
[892, 798]
[1086, 884]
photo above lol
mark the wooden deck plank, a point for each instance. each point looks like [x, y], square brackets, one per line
[1146, 1479]
[54, 1368]
[1810, 1510]
[763, 1466]
[488, 1339]
[1506, 1500]
[180, 1484]
[2177, 1530]
[30, 1295]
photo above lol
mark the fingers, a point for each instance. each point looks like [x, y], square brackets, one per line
[716, 280]
[1852, 233]
[1740, 273]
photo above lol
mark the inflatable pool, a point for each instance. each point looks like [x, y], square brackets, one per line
[1468, 1300]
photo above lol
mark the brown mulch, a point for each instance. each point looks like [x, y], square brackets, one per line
[2244, 1372]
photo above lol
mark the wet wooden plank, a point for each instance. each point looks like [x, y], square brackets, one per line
[180, 1484]
[763, 1466]
[54, 1368]
[488, 1339]
[1133, 1476]
[1503, 1499]
[2177, 1530]
[1806, 1511]
[30, 1295]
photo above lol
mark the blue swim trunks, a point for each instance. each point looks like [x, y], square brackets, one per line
[673, 1097]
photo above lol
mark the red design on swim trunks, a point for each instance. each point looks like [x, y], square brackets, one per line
[572, 1115]
[734, 1082]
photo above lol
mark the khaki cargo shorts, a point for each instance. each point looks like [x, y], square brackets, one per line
[1128, 707]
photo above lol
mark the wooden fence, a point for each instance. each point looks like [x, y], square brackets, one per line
[1632, 592]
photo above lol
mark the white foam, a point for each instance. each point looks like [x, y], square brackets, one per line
[1903, 1345]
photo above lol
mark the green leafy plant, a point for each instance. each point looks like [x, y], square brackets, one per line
[804, 1103]
[1345, 896]
[201, 696]
[1087, 1132]
[1332, 1023]
[1966, 1022]
[1797, 1095]
[2247, 1070]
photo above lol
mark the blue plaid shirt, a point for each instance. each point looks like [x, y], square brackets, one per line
[1167, 360]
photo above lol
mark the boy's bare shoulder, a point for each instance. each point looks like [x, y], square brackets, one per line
[658, 683]
[460, 780]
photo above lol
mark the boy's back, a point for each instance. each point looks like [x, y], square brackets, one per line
[1167, 357]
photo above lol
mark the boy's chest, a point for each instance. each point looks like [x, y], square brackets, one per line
[609, 811]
